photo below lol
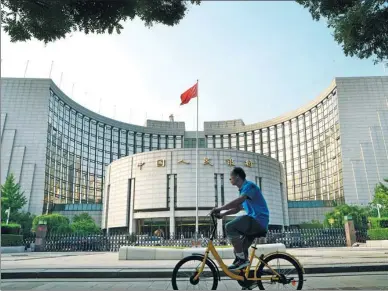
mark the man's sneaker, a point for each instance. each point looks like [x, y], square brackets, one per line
[234, 262]
[238, 264]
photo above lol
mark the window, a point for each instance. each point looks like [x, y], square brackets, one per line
[218, 141]
[258, 145]
[178, 142]
[241, 141]
[233, 141]
[225, 141]
[210, 142]
[139, 142]
[249, 141]
[131, 143]
[155, 141]
[163, 142]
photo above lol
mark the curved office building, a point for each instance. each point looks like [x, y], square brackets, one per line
[157, 190]
[334, 148]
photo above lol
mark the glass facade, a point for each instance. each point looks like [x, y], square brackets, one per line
[308, 146]
[79, 148]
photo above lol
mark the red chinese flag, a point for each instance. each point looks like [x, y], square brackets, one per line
[189, 94]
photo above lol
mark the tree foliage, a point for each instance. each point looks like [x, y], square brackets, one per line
[50, 20]
[56, 223]
[335, 218]
[381, 197]
[12, 196]
[360, 27]
[25, 219]
[84, 224]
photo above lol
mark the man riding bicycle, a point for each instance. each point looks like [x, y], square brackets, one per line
[251, 225]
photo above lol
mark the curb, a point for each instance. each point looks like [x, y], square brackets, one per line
[157, 273]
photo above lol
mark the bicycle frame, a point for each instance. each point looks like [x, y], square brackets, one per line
[211, 249]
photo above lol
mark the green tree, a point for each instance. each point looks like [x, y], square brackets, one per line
[360, 27]
[25, 219]
[380, 197]
[335, 218]
[12, 196]
[84, 224]
[50, 20]
[56, 223]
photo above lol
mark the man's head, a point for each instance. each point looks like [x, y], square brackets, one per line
[237, 176]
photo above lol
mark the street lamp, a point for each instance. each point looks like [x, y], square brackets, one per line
[378, 207]
[8, 211]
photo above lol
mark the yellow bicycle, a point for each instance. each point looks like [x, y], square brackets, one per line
[284, 275]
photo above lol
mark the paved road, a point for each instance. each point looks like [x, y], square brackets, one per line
[355, 281]
[308, 257]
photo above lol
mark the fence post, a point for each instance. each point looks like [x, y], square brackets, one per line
[349, 231]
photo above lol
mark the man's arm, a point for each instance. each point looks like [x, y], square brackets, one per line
[232, 211]
[236, 203]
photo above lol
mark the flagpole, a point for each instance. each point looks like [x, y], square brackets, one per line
[196, 170]
[51, 68]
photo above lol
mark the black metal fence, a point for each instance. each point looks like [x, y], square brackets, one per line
[297, 238]
[362, 235]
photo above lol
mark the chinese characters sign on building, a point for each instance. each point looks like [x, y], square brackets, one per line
[161, 163]
[230, 162]
[206, 161]
[249, 163]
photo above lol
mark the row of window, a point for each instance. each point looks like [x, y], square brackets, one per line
[308, 146]
[79, 148]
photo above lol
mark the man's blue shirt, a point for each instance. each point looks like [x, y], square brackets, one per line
[255, 205]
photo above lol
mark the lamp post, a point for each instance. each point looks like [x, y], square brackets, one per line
[378, 207]
[8, 211]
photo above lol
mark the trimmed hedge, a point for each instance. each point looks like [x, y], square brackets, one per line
[311, 225]
[11, 240]
[11, 228]
[378, 234]
[378, 222]
[56, 223]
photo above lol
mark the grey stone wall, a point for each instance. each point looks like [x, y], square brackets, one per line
[363, 114]
[24, 117]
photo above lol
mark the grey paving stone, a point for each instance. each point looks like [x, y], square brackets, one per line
[23, 285]
[358, 281]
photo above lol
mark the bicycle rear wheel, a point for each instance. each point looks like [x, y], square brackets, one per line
[291, 274]
[187, 268]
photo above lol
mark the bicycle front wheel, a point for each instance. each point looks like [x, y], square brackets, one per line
[291, 274]
[183, 275]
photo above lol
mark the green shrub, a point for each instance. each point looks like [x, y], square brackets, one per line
[11, 240]
[314, 224]
[378, 234]
[378, 222]
[10, 228]
[56, 223]
[84, 224]
[85, 227]
[24, 219]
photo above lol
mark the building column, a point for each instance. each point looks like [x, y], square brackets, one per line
[220, 231]
[132, 221]
[172, 204]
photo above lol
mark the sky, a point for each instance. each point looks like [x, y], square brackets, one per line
[254, 61]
